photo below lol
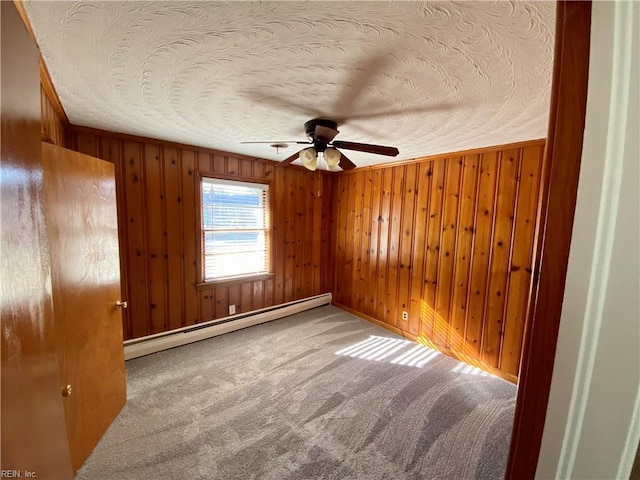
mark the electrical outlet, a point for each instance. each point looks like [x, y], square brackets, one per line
[405, 315]
[232, 309]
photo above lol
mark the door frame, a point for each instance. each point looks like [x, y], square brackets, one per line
[556, 209]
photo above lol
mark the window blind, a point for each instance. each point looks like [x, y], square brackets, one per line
[235, 222]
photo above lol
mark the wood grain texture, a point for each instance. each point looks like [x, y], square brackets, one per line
[85, 270]
[33, 424]
[560, 172]
[436, 238]
[158, 189]
[440, 239]
[52, 128]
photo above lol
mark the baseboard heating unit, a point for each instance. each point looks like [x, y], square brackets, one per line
[139, 347]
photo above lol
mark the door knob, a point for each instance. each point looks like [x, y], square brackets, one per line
[66, 390]
[121, 304]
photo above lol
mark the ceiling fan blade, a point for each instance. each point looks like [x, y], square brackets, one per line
[365, 70]
[345, 163]
[368, 115]
[365, 147]
[280, 103]
[288, 160]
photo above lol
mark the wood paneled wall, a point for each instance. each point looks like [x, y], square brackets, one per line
[53, 117]
[52, 128]
[158, 203]
[448, 240]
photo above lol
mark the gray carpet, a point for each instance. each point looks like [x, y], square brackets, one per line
[317, 395]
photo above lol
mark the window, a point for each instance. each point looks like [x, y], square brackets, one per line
[235, 228]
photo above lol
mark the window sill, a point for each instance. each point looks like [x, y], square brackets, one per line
[226, 281]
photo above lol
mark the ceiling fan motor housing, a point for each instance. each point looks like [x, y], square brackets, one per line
[330, 126]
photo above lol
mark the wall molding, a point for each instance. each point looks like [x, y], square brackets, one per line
[182, 336]
[166, 143]
[444, 156]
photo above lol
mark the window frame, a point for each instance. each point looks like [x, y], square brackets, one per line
[232, 279]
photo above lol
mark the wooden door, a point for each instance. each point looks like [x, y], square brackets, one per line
[81, 216]
[33, 428]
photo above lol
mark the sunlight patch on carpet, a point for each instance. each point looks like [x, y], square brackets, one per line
[395, 350]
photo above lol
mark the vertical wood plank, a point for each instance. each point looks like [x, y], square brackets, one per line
[110, 149]
[299, 225]
[246, 293]
[221, 306]
[258, 295]
[189, 236]
[206, 305]
[465, 236]
[233, 297]
[376, 193]
[174, 228]
[481, 251]
[307, 273]
[203, 162]
[500, 252]
[316, 237]
[269, 169]
[346, 276]
[447, 252]
[356, 279]
[365, 245]
[419, 246]
[290, 239]
[432, 256]
[246, 168]
[86, 143]
[297, 219]
[341, 238]
[383, 244]
[520, 275]
[233, 167]
[136, 242]
[325, 251]
[397, 187]
[280, 225]
[268, 292]
[218, 163]
[406, 241]
[258, 169]
[155, 200]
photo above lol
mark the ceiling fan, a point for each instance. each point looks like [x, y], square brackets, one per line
[321, 133]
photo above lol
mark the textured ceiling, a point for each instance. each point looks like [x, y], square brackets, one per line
[426, 77]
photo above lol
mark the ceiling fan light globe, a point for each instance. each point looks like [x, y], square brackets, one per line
[332, 157]
[309, 158]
